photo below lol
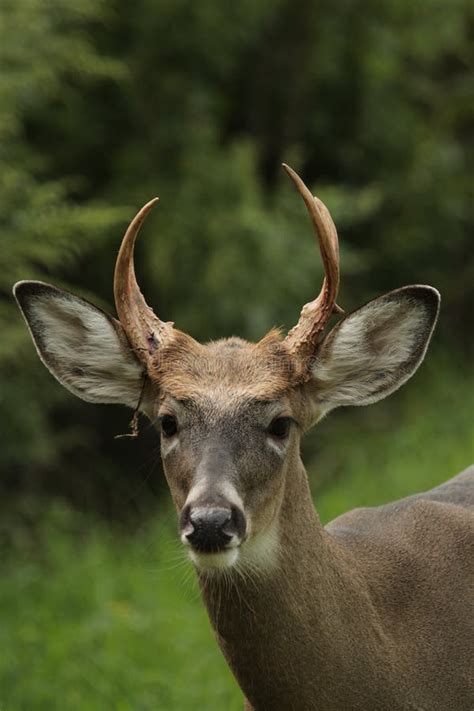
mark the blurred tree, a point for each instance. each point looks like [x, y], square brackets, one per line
[45, 52]
[104, 104]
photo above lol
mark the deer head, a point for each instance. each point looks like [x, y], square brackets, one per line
[231, 413]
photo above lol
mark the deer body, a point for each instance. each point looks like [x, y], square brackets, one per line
[373, 612]
[355, 610]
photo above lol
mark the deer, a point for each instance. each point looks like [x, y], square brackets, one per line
[372, 612]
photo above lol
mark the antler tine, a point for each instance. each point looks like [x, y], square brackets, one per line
[144, 330]
[303, 338]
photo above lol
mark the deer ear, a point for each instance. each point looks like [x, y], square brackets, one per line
[374, 350]
[82, 346]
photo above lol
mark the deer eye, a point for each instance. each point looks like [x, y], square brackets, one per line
[169, 426]
[280, 427]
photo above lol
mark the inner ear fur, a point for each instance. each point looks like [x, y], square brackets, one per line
[82, 346]
[375, 349]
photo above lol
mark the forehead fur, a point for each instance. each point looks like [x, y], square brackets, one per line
[229, 367]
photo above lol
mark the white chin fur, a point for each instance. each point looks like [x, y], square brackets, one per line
[215, 561]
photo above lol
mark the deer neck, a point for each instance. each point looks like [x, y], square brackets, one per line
[305, 633]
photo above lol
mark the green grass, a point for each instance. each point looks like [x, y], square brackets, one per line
[94, 620]
[420, 437]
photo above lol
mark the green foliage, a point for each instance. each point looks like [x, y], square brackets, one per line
[43, 229]
[423, 439]
[104, 104]
[104, 623]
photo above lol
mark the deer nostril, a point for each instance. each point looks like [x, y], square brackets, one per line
[238, 522]
[207, 529]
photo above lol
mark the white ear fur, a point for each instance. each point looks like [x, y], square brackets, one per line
[82, 346]
[375, 349]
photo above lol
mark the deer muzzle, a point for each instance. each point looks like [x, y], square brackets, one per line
[212, 529]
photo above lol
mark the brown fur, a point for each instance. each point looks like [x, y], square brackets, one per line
[187, 369]
[370, 613]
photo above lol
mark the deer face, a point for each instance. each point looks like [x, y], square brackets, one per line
[230, 428]
[230, 413]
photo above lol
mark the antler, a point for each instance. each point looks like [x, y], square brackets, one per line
[303, 338]
[144, 330]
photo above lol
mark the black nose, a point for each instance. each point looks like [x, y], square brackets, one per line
[209, 529]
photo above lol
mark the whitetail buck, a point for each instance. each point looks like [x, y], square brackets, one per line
[374, 612]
